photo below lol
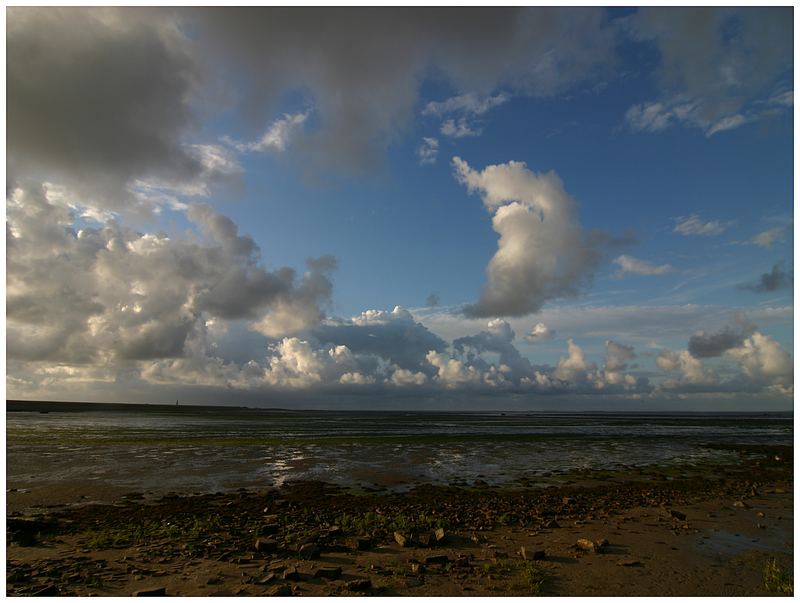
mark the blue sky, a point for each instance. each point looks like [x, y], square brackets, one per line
[640, 207]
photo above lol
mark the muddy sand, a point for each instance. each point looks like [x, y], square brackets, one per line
[718, 530]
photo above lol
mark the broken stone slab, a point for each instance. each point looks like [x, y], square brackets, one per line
[281, 590]
[359, 585]
[266, 579]
[552, 524]
[439, 535]
[291, 573]
[265, 545]
[330, 572]
[402, 539]
[51, 590]
[360, 544]
[437, 560]
[677, 515]
[151, 592]
[308, 551]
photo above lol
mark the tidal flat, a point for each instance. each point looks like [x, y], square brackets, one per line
[115, 500]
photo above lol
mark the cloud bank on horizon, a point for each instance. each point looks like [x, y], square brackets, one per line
[149, 251]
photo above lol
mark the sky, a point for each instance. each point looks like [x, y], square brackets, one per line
[423, 208]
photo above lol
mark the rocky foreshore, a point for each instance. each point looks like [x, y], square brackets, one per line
[722, 530]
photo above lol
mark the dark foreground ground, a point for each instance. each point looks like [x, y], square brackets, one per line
[724, 531]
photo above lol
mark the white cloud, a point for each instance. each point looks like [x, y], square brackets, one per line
[452, 372]
[632, 265]
[710, 79]
[403, 377]
[542, 252]
[276, 137]
[470, 104]
[694, 225]
[573, 368]
[769, 237]
[458, 129]
[690, 370]
[428, 151]
[763, 360]
[540, 332]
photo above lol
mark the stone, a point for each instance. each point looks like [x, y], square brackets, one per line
[334, 531]
[593, 546]
[402, 539]
[359, 585]
[439, 535]
[760, 514]
[291, 573]
[539, 555]
[151, 592]
[630, 563]
[273, 518]
[360, 544]
[552, 524]
[677, 515]
[281, 590]
[330, 572]
[437, 560]
[424, 539]
[417, 568]
[266, 579]
[269, 529]
[51, 590]
[266, 545]
[308, 551]
[741, 504]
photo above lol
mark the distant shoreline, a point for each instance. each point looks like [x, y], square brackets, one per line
[46, 406]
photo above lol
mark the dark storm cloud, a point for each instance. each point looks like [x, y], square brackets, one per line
[361, 67]
[775, 279]
[711, 345]
[98, 97]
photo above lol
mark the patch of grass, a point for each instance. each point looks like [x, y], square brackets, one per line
[531, 578]
[151, 530]
[777, 579]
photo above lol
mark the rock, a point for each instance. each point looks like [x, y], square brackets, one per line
[266, 579]
[51, 590]
[330, 572]
[292, 574]
[401, 539]
[266, 545]
[462, 561]
[522, 552]
[281, 590]
[334, 531]
[439, 535]
[760, 514]
[308, 551]
[270, 518]
[151, 592]
[437, 560]
[552, 524]
[269, 529]
[424, 539]
[677, 515]
[417, 568]
[359, 585]
[360, 544]
[630, 563]
[741, 504]
[539, 555]
[590, 545]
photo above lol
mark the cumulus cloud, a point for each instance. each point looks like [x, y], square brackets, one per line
[774, 280]
[496, 339]
[764, 361]
[628, 264]
[543, 253]
[574, 367]
[689, 370]
[428, 151]
[718, 65]
[110, 293]
[693, 225]
[392, 336]
[540, 332]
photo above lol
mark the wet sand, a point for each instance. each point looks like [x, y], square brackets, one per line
[652, 532]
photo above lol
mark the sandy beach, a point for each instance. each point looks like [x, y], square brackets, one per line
[727, 532]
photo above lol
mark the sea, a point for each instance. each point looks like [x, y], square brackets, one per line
[158, 450]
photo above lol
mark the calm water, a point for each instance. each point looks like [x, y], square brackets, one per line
[158, 452]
